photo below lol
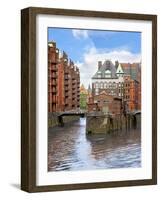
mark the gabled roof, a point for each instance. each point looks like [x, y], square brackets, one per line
[107, 67]
[131, 69]
[103, 92]
[119, 69]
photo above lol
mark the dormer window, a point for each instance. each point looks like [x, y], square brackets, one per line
[107, 74]
[99, 73]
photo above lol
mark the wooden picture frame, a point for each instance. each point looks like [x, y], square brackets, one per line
[28, 98]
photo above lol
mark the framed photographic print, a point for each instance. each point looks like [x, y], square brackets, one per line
[88, 99]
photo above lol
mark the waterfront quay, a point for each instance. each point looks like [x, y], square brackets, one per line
[98, 122]
[71, 148]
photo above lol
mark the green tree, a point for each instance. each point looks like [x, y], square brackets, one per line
[83, 101]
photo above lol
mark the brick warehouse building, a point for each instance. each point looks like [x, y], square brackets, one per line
[63, 81]
[106, 103]
[133, 77]
[131, 92]
[119, 80]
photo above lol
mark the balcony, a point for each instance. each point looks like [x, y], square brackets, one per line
[50, 100]
[53, 108]
[54, 100]
[53, 68]
[52, 59]
[50, 89]
[66, 71]
[54, 90]
[73, 89]
[54, 75]
[52, 82]
[66, 88]
[74, 103]
[66, 83]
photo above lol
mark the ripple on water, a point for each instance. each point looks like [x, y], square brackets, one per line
[71, 149]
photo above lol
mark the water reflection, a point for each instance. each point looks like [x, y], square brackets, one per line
[69, 148]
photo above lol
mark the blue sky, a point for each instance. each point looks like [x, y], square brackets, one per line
[86, 47]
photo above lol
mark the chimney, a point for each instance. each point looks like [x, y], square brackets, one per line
[65, 55]
[99, 64]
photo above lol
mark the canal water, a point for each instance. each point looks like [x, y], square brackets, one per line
[69, 148]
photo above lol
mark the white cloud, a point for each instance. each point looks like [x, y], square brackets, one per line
[79, 34]
[91, 57]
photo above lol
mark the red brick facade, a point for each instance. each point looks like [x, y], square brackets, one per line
[63, 81]
[133, 79]
[106, 103]
[139, 89]
[131, 91]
